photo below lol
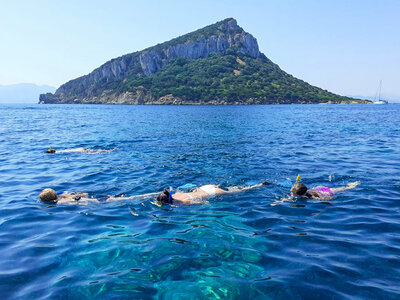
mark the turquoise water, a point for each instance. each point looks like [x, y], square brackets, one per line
[235, 246]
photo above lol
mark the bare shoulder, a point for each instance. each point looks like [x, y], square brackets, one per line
[65, 198]
[75, 198]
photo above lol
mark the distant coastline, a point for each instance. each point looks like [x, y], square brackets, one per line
[23, 92]
[214, 103]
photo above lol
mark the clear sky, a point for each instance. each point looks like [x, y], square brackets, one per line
[345, 46]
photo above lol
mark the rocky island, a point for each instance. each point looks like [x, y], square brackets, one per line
[218, 64]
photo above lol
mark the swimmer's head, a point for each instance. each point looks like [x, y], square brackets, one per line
[298, 189]
[48, 195]
[163, 197]
[51, 150]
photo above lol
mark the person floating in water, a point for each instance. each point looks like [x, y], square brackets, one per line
[320, 192]
[199, 195]
[80, 150]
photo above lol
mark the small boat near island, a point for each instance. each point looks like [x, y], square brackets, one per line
[378, 94]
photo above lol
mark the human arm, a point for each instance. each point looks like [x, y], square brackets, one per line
[113, 198]
[277, 202]
[349, 186]
[236, 189]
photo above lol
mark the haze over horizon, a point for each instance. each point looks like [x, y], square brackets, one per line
[344, 47]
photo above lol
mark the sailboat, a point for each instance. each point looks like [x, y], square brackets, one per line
[378, 93]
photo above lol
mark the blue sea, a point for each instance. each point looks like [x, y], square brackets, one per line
[233, 247]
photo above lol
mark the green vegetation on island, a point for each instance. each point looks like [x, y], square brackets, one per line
[230, 78]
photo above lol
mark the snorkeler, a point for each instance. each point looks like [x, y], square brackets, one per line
[320, 192]
[200, 194]
[50, 196]
[81, 150]
[50, 150]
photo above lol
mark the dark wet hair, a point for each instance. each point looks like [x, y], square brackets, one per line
[163, 197]
[298, 189]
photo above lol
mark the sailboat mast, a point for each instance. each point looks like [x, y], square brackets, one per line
[380, 88]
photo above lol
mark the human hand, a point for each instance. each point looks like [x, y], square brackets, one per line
[354, 184]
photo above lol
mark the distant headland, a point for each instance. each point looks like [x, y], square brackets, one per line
[218, 64]
[23, 92]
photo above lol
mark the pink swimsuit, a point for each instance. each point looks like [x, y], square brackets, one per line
[323, 191]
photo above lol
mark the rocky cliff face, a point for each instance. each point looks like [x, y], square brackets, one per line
[199, 44]
[152, 61]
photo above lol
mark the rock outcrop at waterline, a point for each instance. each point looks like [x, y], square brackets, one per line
[218, 64]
